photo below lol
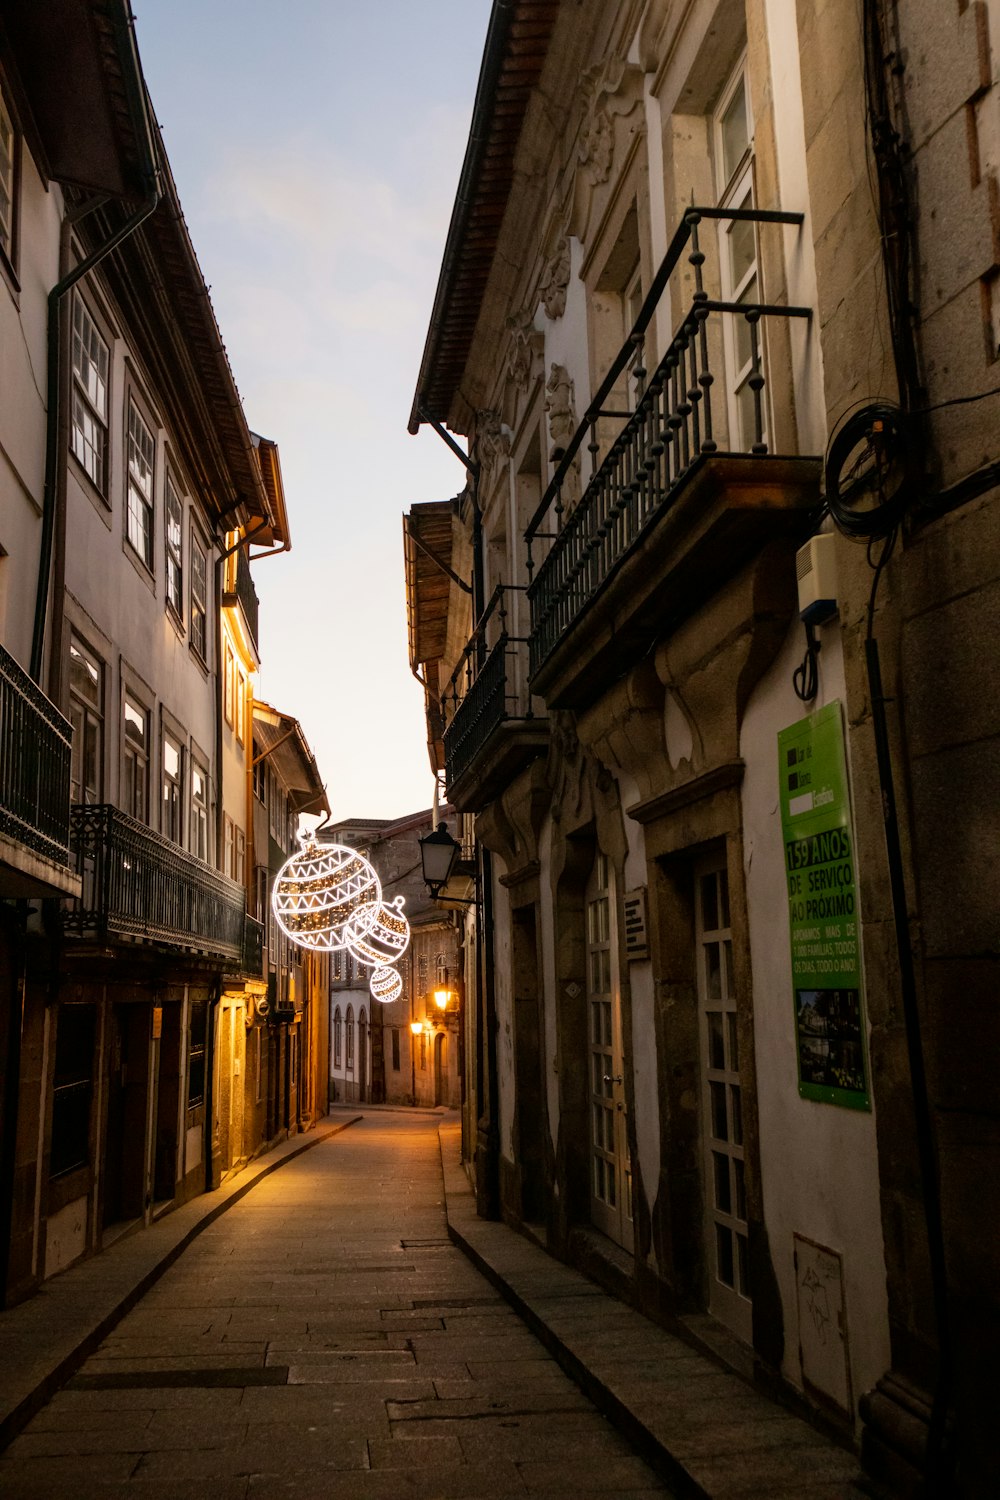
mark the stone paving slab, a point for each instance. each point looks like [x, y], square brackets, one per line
[43, 1340]
[703, 1428]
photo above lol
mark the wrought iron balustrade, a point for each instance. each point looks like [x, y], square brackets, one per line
[35, 761]
[487, 687]
[676, 424]
[137, 884]
[245, 594]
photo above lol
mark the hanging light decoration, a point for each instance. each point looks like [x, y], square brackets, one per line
[382, 938]
[386, 984]
[326, 895]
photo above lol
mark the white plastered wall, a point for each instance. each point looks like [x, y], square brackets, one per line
[819, 1166]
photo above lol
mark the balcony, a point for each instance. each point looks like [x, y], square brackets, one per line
[491, 731]
[140, 887]
[35, 753]
[240, 590]
[687, 491]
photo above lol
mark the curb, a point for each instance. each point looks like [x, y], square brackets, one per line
[16, 1419]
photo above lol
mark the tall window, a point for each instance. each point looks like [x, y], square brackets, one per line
[350, 1038]
[229, 685]
[241, 705]
[733, 131]
[259, 774]
[139, 519]
[8, 145]
[395, 1049]
[199, 811]
[199, 598]
[90, 396]
[86, 696]
[135, 760]
[73, 1088]
[174, 519]
[170, 814]
[338, 1038]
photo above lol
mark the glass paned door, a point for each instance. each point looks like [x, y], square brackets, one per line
[722, 1112]
[610, 1168]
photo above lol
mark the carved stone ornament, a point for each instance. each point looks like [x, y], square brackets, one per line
[604, 98]
[525, 342]
[492, 441]
[560, 404]
[555, 280]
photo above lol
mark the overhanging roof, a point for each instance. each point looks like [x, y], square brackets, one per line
[281, 737]
[517, 44]
[427, 545]
[80, 84]
[275, 532]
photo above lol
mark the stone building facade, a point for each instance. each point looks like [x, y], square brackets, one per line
[717, 319]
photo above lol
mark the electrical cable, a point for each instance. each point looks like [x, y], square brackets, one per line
[871, 457]
[805, 678]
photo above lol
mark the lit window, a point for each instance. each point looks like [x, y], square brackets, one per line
[139, 519]
[199, 811]
[241, 705]
[86, 695]
[171, 824]
[229, 685]
[7, 163]
[90, 397]
[199, 599]
[135, 758]
[174, 517]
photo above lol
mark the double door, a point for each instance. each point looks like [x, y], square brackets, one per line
[610, 1167]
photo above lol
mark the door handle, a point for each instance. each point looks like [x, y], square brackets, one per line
[616, 1078]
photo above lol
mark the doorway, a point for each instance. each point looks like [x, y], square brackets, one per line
[610, 1167]
[441, 1068]
[722, 1104]
[125, 1140]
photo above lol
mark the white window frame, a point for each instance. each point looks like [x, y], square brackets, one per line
[140, 481]
[199, 597]
[91, 360]
[135, 757]
[173, 545]
[200, 845]
[172, 789]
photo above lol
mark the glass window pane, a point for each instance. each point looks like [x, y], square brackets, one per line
[135, 723]
[735, 132]
[713, 971]
[724, 897]
[723, 1195]
[742, 247]
[716, 1044]
[724, 1254]
[717, 1093]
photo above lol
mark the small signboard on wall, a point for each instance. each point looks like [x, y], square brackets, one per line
[636, 925]
[822, 907]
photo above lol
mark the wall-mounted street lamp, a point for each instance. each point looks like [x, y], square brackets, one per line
[440, 860]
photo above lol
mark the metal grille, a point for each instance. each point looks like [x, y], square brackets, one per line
[35, 753]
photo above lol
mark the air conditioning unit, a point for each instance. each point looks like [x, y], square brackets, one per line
[816, 573]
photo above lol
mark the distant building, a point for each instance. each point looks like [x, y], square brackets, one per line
[407, 1051]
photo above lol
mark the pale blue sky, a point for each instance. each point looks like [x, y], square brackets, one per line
[316, 147]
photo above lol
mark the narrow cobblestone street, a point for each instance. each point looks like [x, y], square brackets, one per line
[325, 1339]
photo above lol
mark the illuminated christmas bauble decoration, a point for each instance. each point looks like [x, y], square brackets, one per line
[384, 936]
[386, 985]
[324, 894]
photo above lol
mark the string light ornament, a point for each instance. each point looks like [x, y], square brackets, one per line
[386, 984]
[383, 940]
[327, 895]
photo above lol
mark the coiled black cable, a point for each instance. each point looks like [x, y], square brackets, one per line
[870, 469]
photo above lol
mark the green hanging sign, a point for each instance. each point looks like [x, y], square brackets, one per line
[822, 909]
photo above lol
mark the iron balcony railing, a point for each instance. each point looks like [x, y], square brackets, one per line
[674, 426]
[487, 687]
[245, 594]
[138, 884]
[35, 756]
